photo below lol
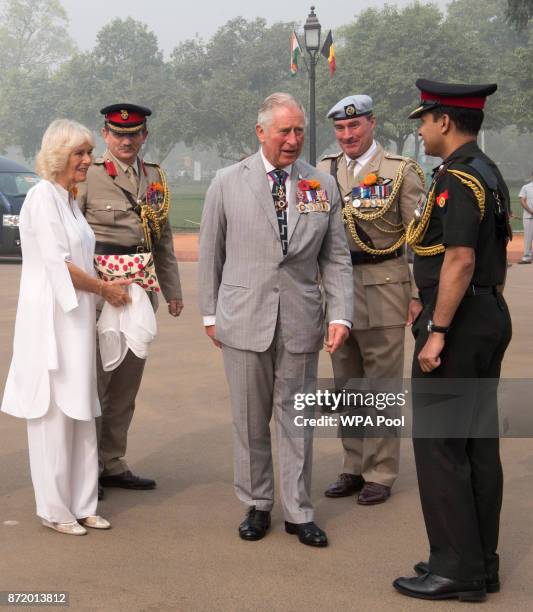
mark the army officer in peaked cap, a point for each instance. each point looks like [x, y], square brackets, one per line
[126, 201]
[376, 216]
[459, 238]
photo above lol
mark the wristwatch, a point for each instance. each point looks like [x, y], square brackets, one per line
[437, 328]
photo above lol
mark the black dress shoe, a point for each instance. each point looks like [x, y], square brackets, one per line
[346, 485]
[100, 492]
[255, 525]
[127, 480]
[492, 581]
[431, 586]
[308, 533]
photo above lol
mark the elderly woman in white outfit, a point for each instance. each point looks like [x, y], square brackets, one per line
[52, 378]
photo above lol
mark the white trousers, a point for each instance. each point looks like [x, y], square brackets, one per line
[64, 466]
[528, 237]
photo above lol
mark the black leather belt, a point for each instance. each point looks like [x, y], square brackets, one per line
[103, 248]
[360, 257]
[430, 293]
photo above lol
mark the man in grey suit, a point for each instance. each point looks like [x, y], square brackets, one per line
[271, 228]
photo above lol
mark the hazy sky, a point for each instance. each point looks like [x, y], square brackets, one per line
[176, 21]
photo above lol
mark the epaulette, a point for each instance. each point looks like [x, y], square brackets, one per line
[149, 163]
[331, 156]
[397, 157]
[471, 182]
[98, 161]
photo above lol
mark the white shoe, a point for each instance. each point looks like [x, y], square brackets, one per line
[73, 528]
[95, 522]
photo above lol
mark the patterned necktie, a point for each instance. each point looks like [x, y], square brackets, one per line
[279, 195]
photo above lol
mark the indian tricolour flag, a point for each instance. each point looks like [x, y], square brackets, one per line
[296, 51]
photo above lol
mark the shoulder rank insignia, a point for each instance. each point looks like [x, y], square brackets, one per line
[442, 199]
[110, 168]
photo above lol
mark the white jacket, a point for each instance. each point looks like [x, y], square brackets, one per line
[54, 347]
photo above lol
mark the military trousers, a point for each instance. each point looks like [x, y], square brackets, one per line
[375, 354]
[460, 476]
[263, 385]
[117, 391]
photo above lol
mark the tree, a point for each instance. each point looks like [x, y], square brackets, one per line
[126, 65]
[33, 40]
[220, 84]
[33, 35]
[519, 12]
[384, 61]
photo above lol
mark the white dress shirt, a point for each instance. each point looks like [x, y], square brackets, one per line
[363, 159]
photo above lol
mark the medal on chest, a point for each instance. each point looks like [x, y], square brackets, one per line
[372, 193]
[310, 197]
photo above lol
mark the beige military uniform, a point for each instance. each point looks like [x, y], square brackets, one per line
[375, 347]
[110, 213]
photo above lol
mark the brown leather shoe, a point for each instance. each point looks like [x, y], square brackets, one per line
[373, 493]
[347, 484]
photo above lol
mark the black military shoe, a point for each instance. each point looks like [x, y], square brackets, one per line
[492, 581]
[431, 586]
[127, 480]
[308, 533]
[255, 525]
[347, 484]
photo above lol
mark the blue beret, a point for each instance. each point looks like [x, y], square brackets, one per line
[351, 106]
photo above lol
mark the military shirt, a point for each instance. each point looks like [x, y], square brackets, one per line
[456, 220]
[381, 291]
[106, 202]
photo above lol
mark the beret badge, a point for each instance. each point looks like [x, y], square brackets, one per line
[350, 110]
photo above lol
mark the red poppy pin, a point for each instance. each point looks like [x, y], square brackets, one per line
[442, 199]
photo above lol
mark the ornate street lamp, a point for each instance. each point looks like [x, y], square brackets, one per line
[312, 29]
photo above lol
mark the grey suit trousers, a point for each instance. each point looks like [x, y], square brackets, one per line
[262, 385]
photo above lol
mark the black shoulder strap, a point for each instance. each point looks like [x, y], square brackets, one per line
[487, 173]
[503, 205]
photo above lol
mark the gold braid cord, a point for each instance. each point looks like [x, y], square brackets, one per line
[350, 214]
[416, 231]
[152, 219]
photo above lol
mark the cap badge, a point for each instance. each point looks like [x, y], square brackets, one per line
[350, 110]
[124, 114]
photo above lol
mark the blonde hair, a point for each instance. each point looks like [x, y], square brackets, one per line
[62, 136]
[264, 116]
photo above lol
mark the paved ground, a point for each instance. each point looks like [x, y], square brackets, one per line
[176, 548]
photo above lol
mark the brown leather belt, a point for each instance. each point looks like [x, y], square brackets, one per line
[103, 248]
[360, 257]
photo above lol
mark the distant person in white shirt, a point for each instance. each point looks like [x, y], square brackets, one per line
[526, 201]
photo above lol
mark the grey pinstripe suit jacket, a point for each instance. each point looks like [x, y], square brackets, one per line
[243, 276]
